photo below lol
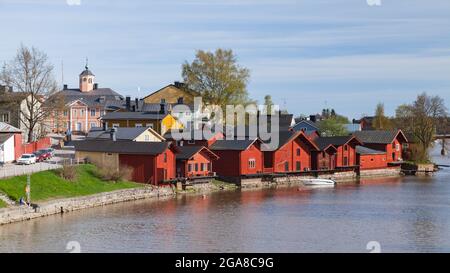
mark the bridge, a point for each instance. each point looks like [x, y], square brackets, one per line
[443, 138]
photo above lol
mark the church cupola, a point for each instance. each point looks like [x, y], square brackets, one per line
[87, 80]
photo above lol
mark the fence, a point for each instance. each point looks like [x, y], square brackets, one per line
[29, 148]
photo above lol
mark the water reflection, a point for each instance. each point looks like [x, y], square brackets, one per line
[406, 214]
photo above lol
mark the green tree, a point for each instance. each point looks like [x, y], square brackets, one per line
[381, 122]
[332, 127]
[420, 119]
[268, 103]
[217, 77]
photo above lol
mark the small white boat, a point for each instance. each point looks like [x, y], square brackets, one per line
[318, 182]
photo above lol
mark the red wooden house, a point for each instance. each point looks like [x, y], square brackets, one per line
[237, 158]
[151, 162]
[291, 154]
[371, 159]
[325, 157]
[195, 161]
[345, 155]
[392, 142]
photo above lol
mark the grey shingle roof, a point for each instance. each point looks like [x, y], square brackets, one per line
[97, 97]
[133, 116]
[122, 133]
[121, 147]
[231, 145]
[376, 137]
[323, 142]
[5, 137]
[367, 151]
[6, 128]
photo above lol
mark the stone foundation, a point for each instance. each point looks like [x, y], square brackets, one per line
[391, 172]
[22, 213]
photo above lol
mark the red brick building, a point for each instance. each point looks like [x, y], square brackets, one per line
[391, 142]
[237, 158]
[195, 161]
[292, 154]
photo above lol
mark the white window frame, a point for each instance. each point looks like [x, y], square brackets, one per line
[149, 125]
[138, 125]
[251, 163]
[115, 125]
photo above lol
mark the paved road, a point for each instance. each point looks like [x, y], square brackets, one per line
[9, 170]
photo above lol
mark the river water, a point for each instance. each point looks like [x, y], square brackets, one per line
[403, 215]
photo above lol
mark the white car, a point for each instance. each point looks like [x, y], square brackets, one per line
[27, 159]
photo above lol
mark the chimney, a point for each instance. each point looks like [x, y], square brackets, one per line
[112, 134]
[95, 86]
[65, 87]
[163, 108]
[128, 103]
[137, 103]
[179, 84]
[312, 118]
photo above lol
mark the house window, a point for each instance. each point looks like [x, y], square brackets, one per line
[189, 167]
[345, 161]
[393, 145]
[5, 117]
[93, 124]
[115, 125]
[138, 125]
[75, 112]
[163, 100]
[149, 125]
[298, 151]
[345, 147]
[397, 147]
[252, 163]
[196, 167]
[147, 138]
[298, 165]
[286, 166]
[202, 167]
[165, 157]
[93, 112]
[82, 112]
[65, 113]
[180, 100]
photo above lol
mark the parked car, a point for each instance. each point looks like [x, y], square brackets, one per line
[40, 156]
[45, 154]
[27, 159]
[51, 151]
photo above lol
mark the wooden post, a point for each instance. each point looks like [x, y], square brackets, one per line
[443, 151]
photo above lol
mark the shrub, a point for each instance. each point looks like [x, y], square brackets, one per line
[106, 173]
[68, 172]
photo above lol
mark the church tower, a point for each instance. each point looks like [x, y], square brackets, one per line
[87, 80]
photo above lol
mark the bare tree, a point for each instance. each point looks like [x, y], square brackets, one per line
[421, 119]
[31, 74]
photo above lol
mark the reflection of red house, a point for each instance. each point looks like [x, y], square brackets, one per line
[390, 142]
[195, 161]
[237, 157]
[370, 158]
[291, 154]
[345, 151]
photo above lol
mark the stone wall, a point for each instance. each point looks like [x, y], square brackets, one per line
[22, 213]
[391, 172]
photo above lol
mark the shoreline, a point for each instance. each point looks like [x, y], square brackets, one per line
[16, 214]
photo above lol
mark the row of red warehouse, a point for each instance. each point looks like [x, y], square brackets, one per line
[157, 159]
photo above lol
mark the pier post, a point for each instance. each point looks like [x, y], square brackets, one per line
[443, 151]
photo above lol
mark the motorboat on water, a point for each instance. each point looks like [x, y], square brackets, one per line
[318, 182]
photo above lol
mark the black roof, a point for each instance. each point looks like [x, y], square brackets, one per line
[323, 142]
[377, 137]
[186, 152]
[121, 147]
[231, 145]
[133, 116]
[122, 133]
[194, 134]
[367, 151]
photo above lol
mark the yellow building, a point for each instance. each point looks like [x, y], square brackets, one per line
[175, 93]
[161, 123]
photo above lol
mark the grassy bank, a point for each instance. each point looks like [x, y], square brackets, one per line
[49, 185]
[2, 204]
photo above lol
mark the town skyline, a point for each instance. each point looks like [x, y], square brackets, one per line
[359, 53]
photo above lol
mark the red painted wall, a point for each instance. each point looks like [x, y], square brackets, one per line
[143, 167]
[390, 149]
[200, 158]
[368, 162]
[166, 169]
[236, 163]
[29, 148]
[288, 154]
[324, 160]
[253, 152]
[350, 153]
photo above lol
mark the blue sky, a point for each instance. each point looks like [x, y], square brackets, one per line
[308, 54]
